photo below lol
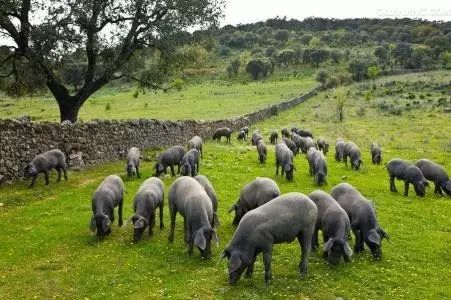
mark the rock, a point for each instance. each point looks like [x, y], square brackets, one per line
[76, 161]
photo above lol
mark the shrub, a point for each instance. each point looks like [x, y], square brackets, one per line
[178, 84]
[108, 106]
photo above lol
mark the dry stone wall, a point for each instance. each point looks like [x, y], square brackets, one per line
[106, 140]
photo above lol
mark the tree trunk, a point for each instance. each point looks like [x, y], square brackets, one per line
[69, 109]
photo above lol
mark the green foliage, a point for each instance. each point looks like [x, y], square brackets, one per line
[286, 57]
[322, 76]
[372, 72]
[259, 67]
[402, 53]
[234, 67]
[358, 68]
[340, 101]
[282, 35]
[178, 84]
[108, 107]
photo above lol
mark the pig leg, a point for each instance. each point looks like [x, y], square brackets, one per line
[189, 239]
[137, 172]
[59, 174]
[161, 216]
[305, 240]
[172, 213]
[437, 189]
[46, 175]
[392, 184]
[277, 168]
[151, 224]
[119, 211]
[267, 256]
[250, 269]
[65, 174]
[406, 188]
[33, 181]
[315, 243]
[172, 170]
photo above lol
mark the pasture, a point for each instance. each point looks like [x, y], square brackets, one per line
[47, 250]
[209, 100]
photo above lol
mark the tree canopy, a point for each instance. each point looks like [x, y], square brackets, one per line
[105, 33]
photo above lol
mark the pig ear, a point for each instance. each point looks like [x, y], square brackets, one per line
[139, 222]
[328, 245]
[225, 254]
[347, 250]
[383, 234]
[199, 240]
[106, 224]
[92, 225]
[234, 263]
[374, 237]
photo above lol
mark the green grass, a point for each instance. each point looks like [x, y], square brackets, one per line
[209, 101]
[47, 250]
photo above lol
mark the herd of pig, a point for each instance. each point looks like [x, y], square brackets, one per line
[263, 216]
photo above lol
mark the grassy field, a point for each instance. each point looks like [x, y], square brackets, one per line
[209, 101]
[47, 250]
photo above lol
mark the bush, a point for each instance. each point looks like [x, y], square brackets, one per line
[178, 84]
[322, 76]
[135, 94]
[361, 112]
[259, 67]
[108, 106]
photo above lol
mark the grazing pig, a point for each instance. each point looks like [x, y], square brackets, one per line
[148, 198]
[409, 173]
[284, 158]
[298, 140]
[133, 156]
[294, 129]
[220, 132]
[339, 149]
[189, 198]
[206, 184]
[323, 145]
[254, 194]
[285, 133]
[353, 152]
[196, 143]
[274, 137]
[241, 136]
[246, 130]
[262, 151]
[434, 172]
[304, 133]
[376, 154]
[255, 138]
[289, 216]
[43, 163]
[334, 223]
[318, 165]
[108, 195]
[190, 163]
[362, 216]
[291, 145]
[169, 158]
[306, 143]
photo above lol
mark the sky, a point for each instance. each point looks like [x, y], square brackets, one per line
[248, 11]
